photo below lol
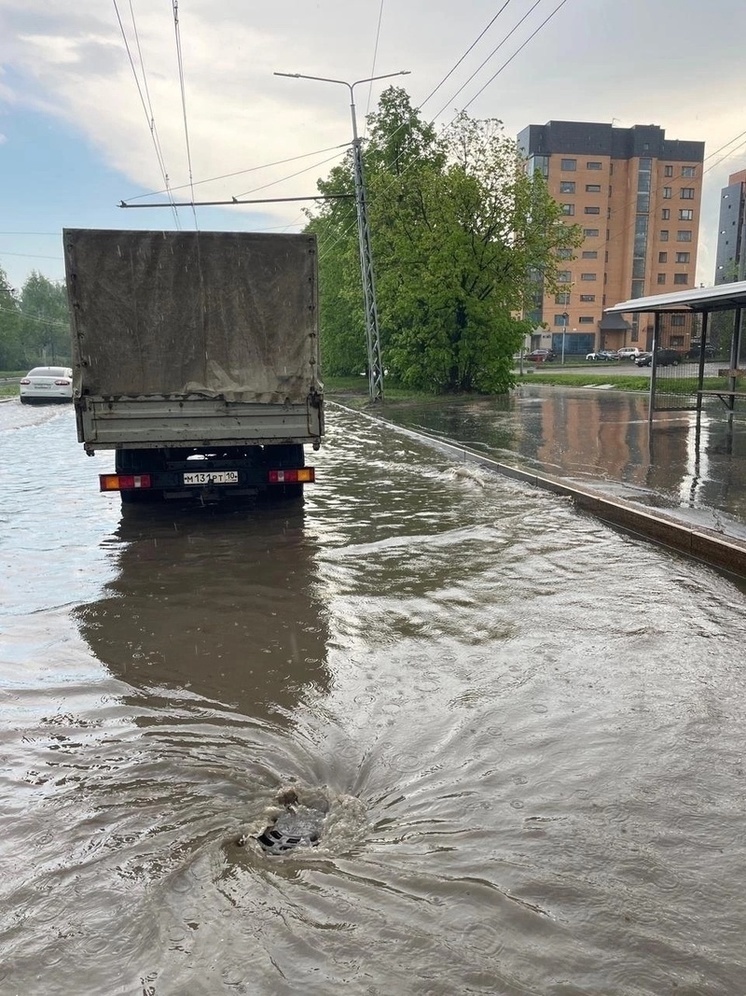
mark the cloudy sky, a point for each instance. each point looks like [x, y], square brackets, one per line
[94, 109]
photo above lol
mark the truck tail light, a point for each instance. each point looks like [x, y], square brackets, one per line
[304, 475]
[123, 482]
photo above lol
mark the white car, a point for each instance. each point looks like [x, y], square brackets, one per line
[47, 384]
[628, 353]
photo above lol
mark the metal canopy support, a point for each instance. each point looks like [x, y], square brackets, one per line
[735, 352]
[654, 365]
[702, 357]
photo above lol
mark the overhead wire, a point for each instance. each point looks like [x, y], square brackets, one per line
[373, 66]
[533, 34]
[290, 176]
[180, 61]
[327, 249]
[150, 117]
[455, 66]
[241, 172]
[36, 318]
[323, 252]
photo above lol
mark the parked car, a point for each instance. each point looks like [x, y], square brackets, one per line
[693, 353]
[540, 356]
[628, 353]
[604, 354]
[47, 384]
[663, 358]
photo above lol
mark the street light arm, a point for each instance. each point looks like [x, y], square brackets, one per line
[351, 86]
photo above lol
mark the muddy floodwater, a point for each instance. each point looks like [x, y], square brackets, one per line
[523, 733]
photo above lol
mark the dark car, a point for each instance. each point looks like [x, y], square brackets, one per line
[694, 351]
[540, 355]
[663, 358]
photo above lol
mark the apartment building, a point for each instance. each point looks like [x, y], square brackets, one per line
[730, 263]
[636, 195]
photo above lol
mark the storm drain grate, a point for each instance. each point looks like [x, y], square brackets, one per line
[296, 827]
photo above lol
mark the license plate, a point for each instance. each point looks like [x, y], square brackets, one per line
[212, 477]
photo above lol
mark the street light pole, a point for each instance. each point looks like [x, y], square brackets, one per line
[372, 335]
[565, 317]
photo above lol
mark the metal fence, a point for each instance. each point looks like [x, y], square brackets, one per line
[686, 378]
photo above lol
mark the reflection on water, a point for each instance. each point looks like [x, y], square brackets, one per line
[597, 436]
[528, 729]
[214, 603]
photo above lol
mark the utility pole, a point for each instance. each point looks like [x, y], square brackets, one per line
[372, 335]
[565, 318]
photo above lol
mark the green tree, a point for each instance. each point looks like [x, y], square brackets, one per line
[11, 354]
[45, 320]
[458, 228]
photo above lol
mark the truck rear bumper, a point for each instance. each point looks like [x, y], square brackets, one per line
[152, 423]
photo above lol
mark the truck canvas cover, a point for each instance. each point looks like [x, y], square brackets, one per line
[230, 315]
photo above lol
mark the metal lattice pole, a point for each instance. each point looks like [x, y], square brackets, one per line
[372, 334]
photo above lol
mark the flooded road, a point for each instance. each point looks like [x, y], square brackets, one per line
[604, 438]
[524, 730]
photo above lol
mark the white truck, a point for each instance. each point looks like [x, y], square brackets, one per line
[196, 359]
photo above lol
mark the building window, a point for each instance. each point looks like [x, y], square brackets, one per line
[567, 209]
[663, 235]
[668, 171]
[688, 170]
[564, 277]
[592, 210]
[560, 320]
[591, 233]
[680, 278]
[678, 319]
[538, 164]
[587, 276]
[568, 165]
[564, 254]
[687, 193]
[593, 188]
[585, 320]
[562, 298]
[661, 278]
[662, 257]
[587, 298]
[638, 288]
[683, 257]
[590, 254]
[667, 193]
[567, 186]
[686, 214]
[665, 214]
[594, 165]
[683, 236]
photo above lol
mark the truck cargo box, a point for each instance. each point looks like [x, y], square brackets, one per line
[189, 338]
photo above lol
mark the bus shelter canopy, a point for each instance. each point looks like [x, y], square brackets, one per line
[723, 297]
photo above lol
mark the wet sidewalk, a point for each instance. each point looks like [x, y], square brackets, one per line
[600, 442]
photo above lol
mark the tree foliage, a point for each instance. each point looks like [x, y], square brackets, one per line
[34, 324]
[458, 229]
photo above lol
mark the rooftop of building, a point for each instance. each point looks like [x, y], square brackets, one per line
[601, 139]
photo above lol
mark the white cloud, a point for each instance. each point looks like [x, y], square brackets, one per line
[635, 62]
